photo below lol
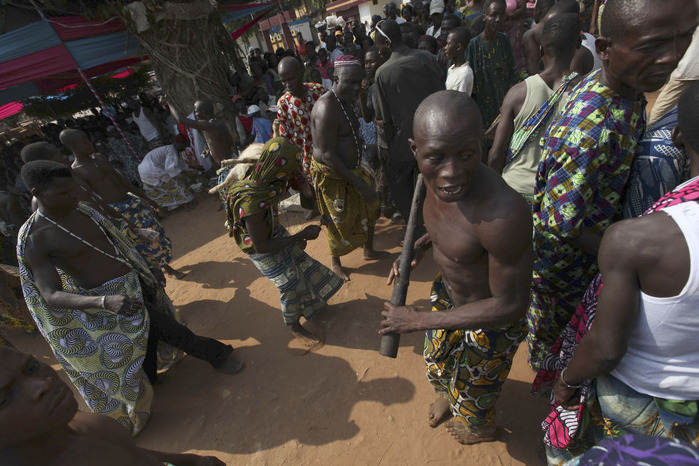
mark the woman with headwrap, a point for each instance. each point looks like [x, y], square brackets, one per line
[305, 284]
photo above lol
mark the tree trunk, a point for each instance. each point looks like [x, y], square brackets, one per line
[185, 42]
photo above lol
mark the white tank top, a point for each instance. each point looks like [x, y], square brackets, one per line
[662, 359]
[147, 129]
[588, 42]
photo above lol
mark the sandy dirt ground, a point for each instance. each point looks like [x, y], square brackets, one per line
[340, 404]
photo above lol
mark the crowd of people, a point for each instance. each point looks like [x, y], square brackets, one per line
[544, 176]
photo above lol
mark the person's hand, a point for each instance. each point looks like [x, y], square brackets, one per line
[400, 319]
[565, 396]
[122, 304]
[310, 232]
[208, 461]
[379, 123]
[418, 253]
[367, 193]
[206, 153]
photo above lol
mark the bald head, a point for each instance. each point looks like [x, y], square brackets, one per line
[71, 138]
[290, 65]
[203, 109]
[619, 15]
[443, 111]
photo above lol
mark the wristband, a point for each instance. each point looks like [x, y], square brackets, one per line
[103, 304]
[572, 387]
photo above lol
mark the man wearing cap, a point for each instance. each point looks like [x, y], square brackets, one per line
[436, 12]
[261, 126]
[406, 78]
[294, 107]
[345, 191]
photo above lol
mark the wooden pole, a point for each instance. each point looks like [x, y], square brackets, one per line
[391, 341]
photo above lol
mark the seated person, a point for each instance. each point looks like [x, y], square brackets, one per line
[40, 424]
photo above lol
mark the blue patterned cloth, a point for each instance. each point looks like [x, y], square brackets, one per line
[659, 167]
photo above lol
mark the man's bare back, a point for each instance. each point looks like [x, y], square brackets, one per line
[101, 178]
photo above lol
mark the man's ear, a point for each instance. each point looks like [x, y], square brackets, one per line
[677, 138]
[602, 45]
[413, 146]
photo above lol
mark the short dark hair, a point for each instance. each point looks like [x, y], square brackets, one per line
[391, 29]
[561, 35]
[688, 116]
[487, 4]
[462, 34]
[39, 174]
[564, 6]
[36, 151]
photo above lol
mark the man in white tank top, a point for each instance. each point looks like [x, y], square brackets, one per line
[150, 127]
[643, 348]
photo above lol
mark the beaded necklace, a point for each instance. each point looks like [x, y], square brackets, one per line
[354, 131]
[118, 256]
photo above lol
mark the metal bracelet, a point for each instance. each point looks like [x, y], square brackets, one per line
[103, 304]
[575, 387]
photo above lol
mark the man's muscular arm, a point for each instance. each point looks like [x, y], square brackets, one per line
[508, 242]
[325, 127]
[601, 350]
[51, 289]
[201, 125]
[531, 52]
[511, 106]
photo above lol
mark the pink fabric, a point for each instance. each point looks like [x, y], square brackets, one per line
[77, 27]
[35, 65]
[511, 5]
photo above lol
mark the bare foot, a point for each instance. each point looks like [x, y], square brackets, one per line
[307, 338]
[372, 254]
[178, 274]
[439, 412]
[467, 436]
[232, 366]
[336, 267]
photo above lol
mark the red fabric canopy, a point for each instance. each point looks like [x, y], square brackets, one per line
[10, 109]
[77, 27]
[36, 65]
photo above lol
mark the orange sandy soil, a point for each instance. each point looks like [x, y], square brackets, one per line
[340, 404]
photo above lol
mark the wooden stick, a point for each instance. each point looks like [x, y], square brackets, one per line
[390, 341]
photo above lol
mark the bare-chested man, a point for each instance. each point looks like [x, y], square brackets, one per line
[215, 131]
[344, 189]
[96, 302]
[93, 170]
[481, 232]
[40, 424]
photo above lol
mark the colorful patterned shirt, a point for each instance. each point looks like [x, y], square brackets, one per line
[294, 114]
[586, 160]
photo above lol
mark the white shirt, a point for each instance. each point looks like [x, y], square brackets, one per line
[399, 20]
[430, 31]
[460, 78]
[662, 357]
[160, 165]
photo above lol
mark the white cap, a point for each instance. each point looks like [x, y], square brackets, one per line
[253, 109]
[436, 6]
